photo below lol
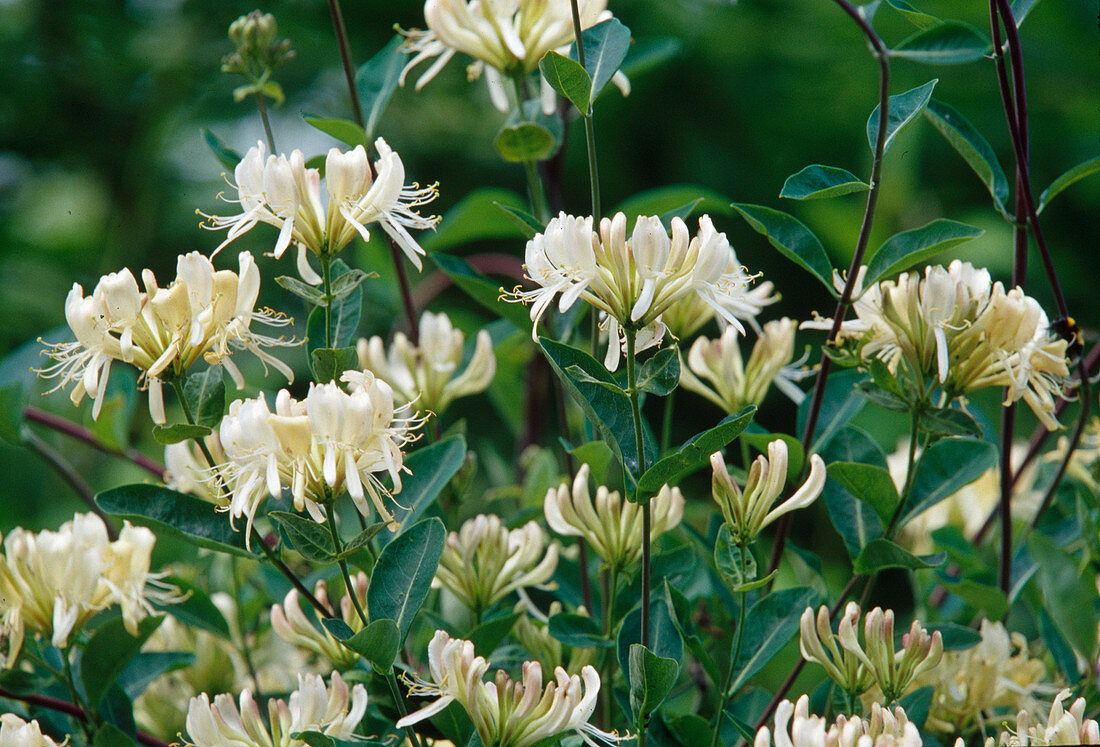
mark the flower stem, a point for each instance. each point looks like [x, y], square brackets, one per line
[735, 652]
[666, 422]
[589, 125]
[391, 680]
[245, 650]
[261, 105]
[636, 412]
[71, 429]
[345, 59]
[535, 191]
[326, 299]
[881, 54]
[330, 515]
[610, 585]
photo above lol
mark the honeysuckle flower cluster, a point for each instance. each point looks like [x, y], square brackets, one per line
[507, 713]
[612, 526]
[283, 192]
[317, 448]
[1069, 727]
[686, 317]
[716, 370]
[633, 281]
[875, 661]
[334, 711]
[203, 313]
[505, 39]
[15, 732]
[51, 583]
[953, 326]
[884, 728]
[748, 511]
[291, 624]
[186, 469]
[994, 676]
[484, 561]
[428, 373]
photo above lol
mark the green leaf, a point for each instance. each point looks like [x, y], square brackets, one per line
[432, 467]
[528, 224]
[330, 363]
[665, 200]
[817, 182]
[871, 484]
[661, 373]
[903, 250]
[651, 680]
[577, 631]
[607, 410]
[376, 79]
[403, 574]
[174, 514]
[916, 705]
[578, 374]
[1021, 9]
[987, 599]
[525, 141]
[605, 48]
[945, 468]
[855, 521]
[108, 652]
[489, 633]
[681, 212]
[664, 635]
[476, 217]
[344, 316]
[567, 77]
[792, 238]
[197, 609]
[903, 108]
[141, 670]
[13, 400]
[343, 285]
[691, 729]
[480, 288]
[795, 455]
[378, 643]
[882, 553]
[361, 540]
[736, 565]
[955, 637]
[648, 54]
[916, 17]
[975, 149]
[944, 43]
[312, 540]
[309, 293]
[205, 395]
[179, 432]
[1078, 172]
[695, 452]
[598, 456]
[842, 402]
[769, 625]
[343, 130]
[946, 421]
[109, 735]
[229, 158]
[1059, 647]
[1069, 594]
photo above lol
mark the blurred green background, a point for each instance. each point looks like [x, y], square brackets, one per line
[102, 161]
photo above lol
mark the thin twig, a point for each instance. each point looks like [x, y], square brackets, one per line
[63, 706]
[345, 59]
[817, 398]
[81, 433]
[69, 474]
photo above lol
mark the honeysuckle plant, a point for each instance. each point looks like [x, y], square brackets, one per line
[445, 479]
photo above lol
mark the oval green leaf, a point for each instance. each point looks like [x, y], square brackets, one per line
[403, 574]
[817, 182]
[695, 452]
[903, 250]
[903, 108]
[792, 238]
[1078, 172]
[567, 77]
[944, 43]
[526, 141]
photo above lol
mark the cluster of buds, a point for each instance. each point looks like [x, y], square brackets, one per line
[317, 447]
[957, 328]
[290, 623]
[51, 583]
[259, 52]
[484, 561]
[883, 729]
[612, 526]
[1062, 727]
[505, 39]
[334, 711]
[428, 374]
[282, 192]
[635, 280]
[995, 675]
[162, 331]
[875, 661]
[748, 511]
[507, 713]
[716, 369]
[15, 732]
[535, 637]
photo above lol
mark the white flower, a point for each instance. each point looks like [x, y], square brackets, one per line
[186, 469]
[733, 384]
[51, 583]
[506, 38]
[163, 331]
[317, 448]
[633, 281]
[507, 713]
[284, 193]
[883, 729]
[290, 623]
[428, 373]
[612, 526]
[484, 562]
[334, 711]
[748, 512]
[15, 732]
[1062, 727]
